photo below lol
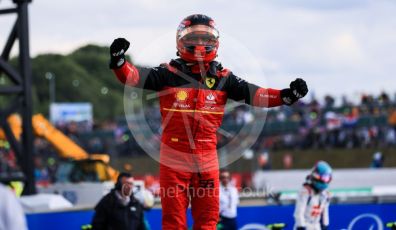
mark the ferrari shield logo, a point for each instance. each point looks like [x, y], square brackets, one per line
[210, 82]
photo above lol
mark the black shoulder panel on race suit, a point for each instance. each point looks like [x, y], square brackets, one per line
[239, 89]
[179, 74]
[152, 78]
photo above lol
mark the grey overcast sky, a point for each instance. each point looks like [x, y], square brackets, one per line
[338, 46]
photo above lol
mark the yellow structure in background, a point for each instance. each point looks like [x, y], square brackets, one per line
[15, 123]
[66, 148]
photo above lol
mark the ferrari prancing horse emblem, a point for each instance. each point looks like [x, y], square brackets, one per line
[210, 82]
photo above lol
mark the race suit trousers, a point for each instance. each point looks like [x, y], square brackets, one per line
[179, 188]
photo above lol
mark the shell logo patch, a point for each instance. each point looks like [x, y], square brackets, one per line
[181, 95]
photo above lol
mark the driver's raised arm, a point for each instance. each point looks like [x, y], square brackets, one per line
[241, 90]
[128, 74]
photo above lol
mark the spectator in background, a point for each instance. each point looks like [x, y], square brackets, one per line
[229, 200]
[312, 204]
[41, 173]
[264, 161]
[287, 161]
[12, 216]
[378, 160]
[329, 102]
[119, 209]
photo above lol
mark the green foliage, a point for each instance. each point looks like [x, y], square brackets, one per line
[82, 76]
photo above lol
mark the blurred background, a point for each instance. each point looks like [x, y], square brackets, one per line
[345, 50]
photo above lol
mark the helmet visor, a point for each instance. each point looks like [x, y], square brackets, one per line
[199, 39]
[198, 35]
[325, 178]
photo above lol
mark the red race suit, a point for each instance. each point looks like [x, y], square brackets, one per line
[192, 100]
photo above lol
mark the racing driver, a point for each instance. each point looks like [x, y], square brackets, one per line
[193, 91]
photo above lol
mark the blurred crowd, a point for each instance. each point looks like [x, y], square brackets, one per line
[370, 123]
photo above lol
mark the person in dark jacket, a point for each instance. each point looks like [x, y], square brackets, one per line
[119, 209]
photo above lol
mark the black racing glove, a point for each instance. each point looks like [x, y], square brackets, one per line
[324, 227]
[298, 89]
[301, 228]
[117, 52]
